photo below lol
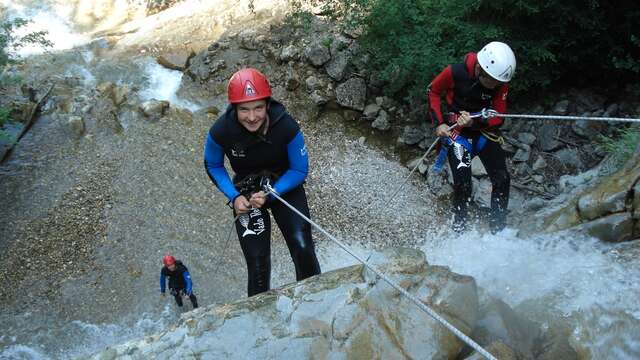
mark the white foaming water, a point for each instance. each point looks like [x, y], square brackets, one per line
[162, 84]
[79, 338]
[79, 71]
[55, 20]
[332, 257]
[22, 352]
[575, 272]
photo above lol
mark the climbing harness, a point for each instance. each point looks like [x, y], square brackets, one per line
[420, 304]
[253, 183]
[464, 150]
[492, 136]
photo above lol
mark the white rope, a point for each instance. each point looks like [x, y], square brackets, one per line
[489, 113]
[393, 194]
[415, 300]
[226, 244]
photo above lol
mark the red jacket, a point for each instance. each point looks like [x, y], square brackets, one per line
[464, 92]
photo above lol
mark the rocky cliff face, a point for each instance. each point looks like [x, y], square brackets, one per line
[609, 210]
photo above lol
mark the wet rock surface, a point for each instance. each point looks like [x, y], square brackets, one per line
[343, 313]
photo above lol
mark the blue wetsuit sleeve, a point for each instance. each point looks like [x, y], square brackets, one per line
[163, 282]
[298, 166]
[187, 280]
[214, 163]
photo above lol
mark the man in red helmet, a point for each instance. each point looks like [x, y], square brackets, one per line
[179, 280]
[479, 82]
[262, 142]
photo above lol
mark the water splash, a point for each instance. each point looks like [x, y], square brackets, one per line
[22, 352]
[79, 338]
[81, 72]
[570, 271]
[162, 84]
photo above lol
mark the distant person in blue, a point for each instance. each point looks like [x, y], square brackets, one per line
[262, 142]
[179, 280]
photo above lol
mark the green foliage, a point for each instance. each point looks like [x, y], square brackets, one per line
[9, 44]
[326, 42]
[4, 115]
[622, 145]
[298, 17]
[4, 119]
[557, 42]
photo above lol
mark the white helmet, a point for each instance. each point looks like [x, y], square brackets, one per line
[497, 60]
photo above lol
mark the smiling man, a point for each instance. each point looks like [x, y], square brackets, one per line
[262, 142]
[479, 82]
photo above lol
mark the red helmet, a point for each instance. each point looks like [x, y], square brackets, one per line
[248, 84]
[168, 260]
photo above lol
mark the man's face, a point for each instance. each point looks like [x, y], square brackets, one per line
[252, 114]
[485, 79]
[172, 267]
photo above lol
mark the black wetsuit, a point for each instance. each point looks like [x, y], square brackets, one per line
[281, 153]
[179, 283]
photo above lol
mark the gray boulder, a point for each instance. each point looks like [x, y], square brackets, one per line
[526, 138]
[382, 121]
[154, 109]
[289, 53]
[76, 125]
[412, 135]
[352, 93]
[317, 53]
[371, 111]
[313, 83]
[561, 107]
[546, 136]
[337, 67]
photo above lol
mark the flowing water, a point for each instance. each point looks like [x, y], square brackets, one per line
[163, 201]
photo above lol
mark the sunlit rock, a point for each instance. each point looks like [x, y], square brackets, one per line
[76, 125]
[289, 53]
[154, 109]
[611, 228]
[346, 313]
